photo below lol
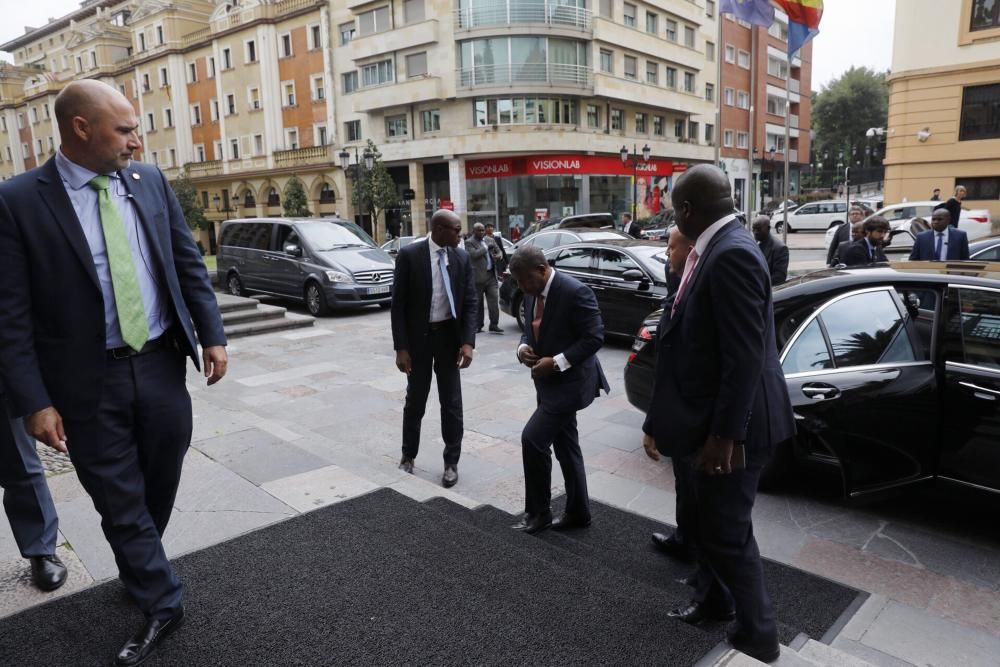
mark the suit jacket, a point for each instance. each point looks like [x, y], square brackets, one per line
[776, 256]
[633, 229]
[411, 297]
[477, 254]
[841, 256]
[52, 329]
[923, 245]
[857, 254]
[571, 326]
[717, 370]
[842, 235]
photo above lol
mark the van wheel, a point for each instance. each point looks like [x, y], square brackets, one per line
[316, 300]
[234, 284]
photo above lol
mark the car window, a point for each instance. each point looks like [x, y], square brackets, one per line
[808, 353]
[546, 241]
[807, 210]
[898, 213]
[259, 237]
[920, 305]
[923, 211]
[866, 329]
[330, 236]
[614, 263]
[973, 329]
[574, 259]
[231, 234]
[841, 207]
[988, 255]
[281, 238]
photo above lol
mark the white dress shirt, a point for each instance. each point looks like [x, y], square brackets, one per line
[561, 361]
[440, 308]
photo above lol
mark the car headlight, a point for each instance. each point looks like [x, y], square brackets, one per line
[338, 277]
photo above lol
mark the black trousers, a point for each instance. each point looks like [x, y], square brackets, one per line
[487, 291]
[558, 431]
[128, 458]
[26, 497]
[729, 567]
[442, 359]
[684, 506]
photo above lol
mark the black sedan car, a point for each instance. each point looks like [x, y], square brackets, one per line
[628, 277]
[986, 249]
[893, 372]
[552, 238]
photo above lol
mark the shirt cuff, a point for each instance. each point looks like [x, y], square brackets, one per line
[522, 346]
[562, 362]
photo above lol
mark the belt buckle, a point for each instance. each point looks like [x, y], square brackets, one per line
[120, 353]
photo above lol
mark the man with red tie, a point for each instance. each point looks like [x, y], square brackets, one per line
[560, 347]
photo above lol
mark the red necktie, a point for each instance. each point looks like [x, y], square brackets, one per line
[692, 261]
[536, 324]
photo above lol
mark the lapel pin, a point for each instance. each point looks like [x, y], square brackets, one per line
[135, 176]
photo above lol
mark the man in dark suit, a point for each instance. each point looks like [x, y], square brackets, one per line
[844, 234]
[484, 255]
[941, 242]
[775, 252]
[720, 405]
[857, 234]
[28, 503]
[434, 329]
[560, 347]
[869, 250]
[498, 240]
[630, 226]
[101, 296]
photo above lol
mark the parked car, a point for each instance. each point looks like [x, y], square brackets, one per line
[985, 249]
[907, 219]
[322, 262]
[814, 216]
[893, 372]
[588, 220]
[393, 246]
[628, 277]
[658, 227]
[554, 238]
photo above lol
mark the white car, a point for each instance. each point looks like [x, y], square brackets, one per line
[907, 219]
[814, 216]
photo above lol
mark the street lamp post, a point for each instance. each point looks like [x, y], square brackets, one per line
[635, 162]
[359, 177]
[227, 207]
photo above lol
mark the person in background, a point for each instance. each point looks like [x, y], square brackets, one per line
[941, 242]
[869, 249]
[857, 233]
[954, 205]
[937, 195]
[631, 227]
[484, 254]
[775, 252]
[854, 215]
[498, 240]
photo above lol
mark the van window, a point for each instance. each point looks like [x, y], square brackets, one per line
[842, 207]
[330, 236]
[281, 238]
[808, 210]
[259, 236]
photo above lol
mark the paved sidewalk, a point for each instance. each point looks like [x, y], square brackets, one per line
[311, 417]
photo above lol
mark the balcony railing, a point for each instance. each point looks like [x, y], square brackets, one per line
[498, 75]
[501, 12]
[207, 168]
[303, 156]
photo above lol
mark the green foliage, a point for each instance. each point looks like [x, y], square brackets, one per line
[187, 196]
[294, 201]
[845, 110]
[378, 190]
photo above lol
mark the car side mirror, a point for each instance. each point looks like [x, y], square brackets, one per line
[634, 276]
[293, 249]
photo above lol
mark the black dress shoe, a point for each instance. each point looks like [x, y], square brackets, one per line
[406, 464]
[143, 643]
[533, 523]
[495, 329]
[699, 612]
[570, 521]
[450, 477]
[768, 652]
[670, 546]
[47, 572]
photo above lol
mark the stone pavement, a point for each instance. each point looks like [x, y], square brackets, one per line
[311, 417]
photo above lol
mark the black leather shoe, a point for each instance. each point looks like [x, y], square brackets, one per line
[699, 612]
[47, 572]
[670, 546]
[406, 464]
[532, 524]
[495, 329]
[570, 521]
[143, 643]
[450, 477]
[764, 652]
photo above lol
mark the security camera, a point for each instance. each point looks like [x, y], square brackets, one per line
[924, 134]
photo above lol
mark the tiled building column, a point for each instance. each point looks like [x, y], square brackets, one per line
[418, 214]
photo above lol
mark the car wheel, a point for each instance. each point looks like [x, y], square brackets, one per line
[835, 223]
[778, 226]
[776, 472]
[234, 285]
[316, 300]
[518, 308]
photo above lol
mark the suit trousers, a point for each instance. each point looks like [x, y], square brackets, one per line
[442, 359]
[729, 566]
[128, 458]
[556, 430]
[487, 291]
[26, 497]
[683, 506]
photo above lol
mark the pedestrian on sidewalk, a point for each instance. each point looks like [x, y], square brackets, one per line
[498, 240]
[954, 205]
[855, 215]
[936, 196]
[869, 250]
[434, 330]
[484, 255]
[941, 242]
[102, 295]
[775, 252]
[560, 347]
[720, 405]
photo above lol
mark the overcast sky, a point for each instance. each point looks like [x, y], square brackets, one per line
[853, 32]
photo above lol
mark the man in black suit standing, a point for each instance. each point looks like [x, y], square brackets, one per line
[941, 242]
[720, 405]
[843, 234]
[484, 255]
[775, 252]
[869, 250]
[560, 347]
[630, 226]
[103, 294]
[434, 329]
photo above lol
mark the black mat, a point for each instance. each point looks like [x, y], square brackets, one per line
[377, 580]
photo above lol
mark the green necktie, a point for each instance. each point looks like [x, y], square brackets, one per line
[128, 298]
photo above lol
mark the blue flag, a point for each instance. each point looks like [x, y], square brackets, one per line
[755, 12]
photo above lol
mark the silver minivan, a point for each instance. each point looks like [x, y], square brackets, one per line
[325, 263]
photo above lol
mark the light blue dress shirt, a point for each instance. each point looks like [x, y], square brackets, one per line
[84, 199]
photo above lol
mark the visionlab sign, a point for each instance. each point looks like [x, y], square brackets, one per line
[545, 165]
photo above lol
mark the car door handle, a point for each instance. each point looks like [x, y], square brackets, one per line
[981, 392]
[819, 390]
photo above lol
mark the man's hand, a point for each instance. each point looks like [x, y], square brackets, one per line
[215, 360]
[46, 426]
[715, 458]
[403, 361]
[527, 356]
[465, 356]
[543, 368]
[649, 444]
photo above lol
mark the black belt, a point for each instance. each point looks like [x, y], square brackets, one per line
[126, 352]
[443, 324]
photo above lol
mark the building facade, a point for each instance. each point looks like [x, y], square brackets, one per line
[944, 103]
[760, 87]
[461, 97]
